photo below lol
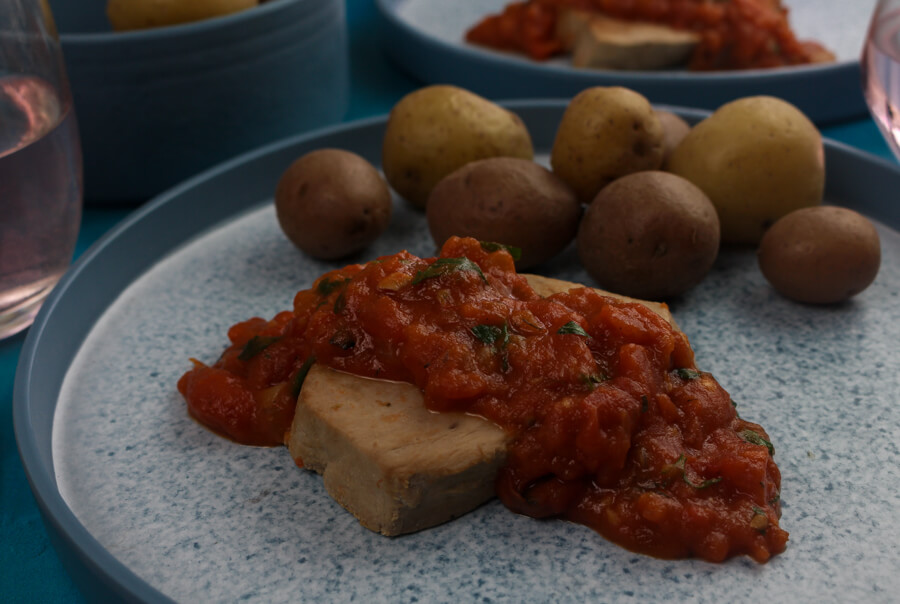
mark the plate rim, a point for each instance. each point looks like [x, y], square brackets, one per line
[76, 546]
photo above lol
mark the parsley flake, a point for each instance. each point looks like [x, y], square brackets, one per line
[298, 380]
[444, 266]
[492, 246]
[324, 288]
[687, 374]
[492, 334]
[680, 465]
[591, 380]
[256, 345]
[752, 437]
[488, 334]
[573, 328]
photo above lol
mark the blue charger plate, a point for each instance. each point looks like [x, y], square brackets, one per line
[145, 505]
[425, 37]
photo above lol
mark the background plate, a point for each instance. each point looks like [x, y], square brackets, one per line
[143, 502]
[425, 37]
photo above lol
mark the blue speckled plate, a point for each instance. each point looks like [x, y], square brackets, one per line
[144, 503]
[426, 38]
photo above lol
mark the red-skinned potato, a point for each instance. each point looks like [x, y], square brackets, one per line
[820, 255]
[331, 203]
[650, 235]
[506, 200]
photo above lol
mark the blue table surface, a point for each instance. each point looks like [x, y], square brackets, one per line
[30, 570]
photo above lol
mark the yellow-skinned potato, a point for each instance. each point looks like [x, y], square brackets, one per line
[435, 130]
[142, 14]
[757, 159]
[605, 133]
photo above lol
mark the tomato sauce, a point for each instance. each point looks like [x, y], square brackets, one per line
[734, 34]
[612, 425]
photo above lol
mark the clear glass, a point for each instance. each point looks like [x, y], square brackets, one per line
[880, 65]
[40, 163]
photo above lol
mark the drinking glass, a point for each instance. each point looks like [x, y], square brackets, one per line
[880, 65]
[40, 163]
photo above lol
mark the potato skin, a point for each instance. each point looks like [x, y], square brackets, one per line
[650, 235]
[331, 203]
[757, 158]
[141, 14]
[605, 133]
[435, 130]
[674, 131]
[506, 200]
[820, 255]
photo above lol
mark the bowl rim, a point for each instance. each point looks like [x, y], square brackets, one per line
[260, 11]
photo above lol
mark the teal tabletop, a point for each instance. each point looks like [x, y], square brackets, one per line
[30, 570]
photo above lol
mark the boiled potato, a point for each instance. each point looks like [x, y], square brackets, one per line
[820, 255]
[757, 158]
[674, 131]
[435, 130]
[650, 235]
[331, 203]
[141, 14]
[605, 133]
[506, 200]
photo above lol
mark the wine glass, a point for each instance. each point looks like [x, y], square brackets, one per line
[40, 163]
[880, 65]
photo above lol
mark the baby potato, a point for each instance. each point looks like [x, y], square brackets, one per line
[142, 14]
[650, 235]
[605, 133]
[435, 130]
[331, 203]
[757, 158]
[674, 131]
[506, 200]
[820, 255]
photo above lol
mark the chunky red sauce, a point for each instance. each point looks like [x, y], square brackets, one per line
[734, 34]
[612, 424]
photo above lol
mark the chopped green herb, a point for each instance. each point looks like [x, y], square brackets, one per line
[488, 334]
[760, 521]
[573, 328]
[687, 374]
[752, 437]
[492, 246]
[680, 465]
[443, 266]
[734, 404]
[297, 383]
[644, 403]
[326, 287]
[705, 483]
[340, 303]
[256, 345]
[774, 500]
[591, 380]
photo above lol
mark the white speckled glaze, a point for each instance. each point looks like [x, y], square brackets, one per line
[203, 519]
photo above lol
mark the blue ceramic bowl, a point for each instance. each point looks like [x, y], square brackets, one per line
[156, 106]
